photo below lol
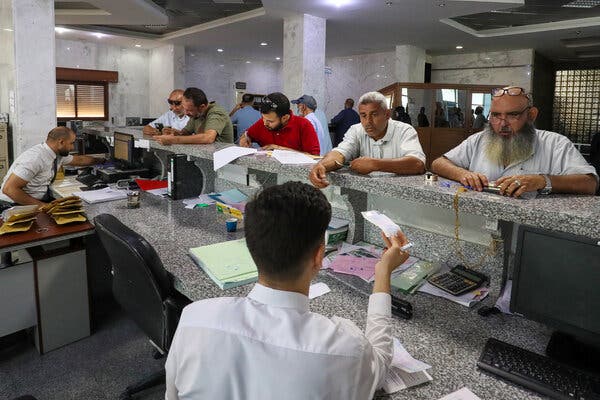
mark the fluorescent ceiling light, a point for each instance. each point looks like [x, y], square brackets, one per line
[60, 29]
[339, 3]
[220, 50]
[138, 45]
[582, 4]
[264, 43]
[8, 29]
[459, 47]
[99, 35]
[247, 62]
[278, 58]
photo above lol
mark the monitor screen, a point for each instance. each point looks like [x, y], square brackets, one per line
[557, 281]
[123, 147]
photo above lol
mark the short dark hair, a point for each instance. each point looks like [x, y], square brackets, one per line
[196, 95]
[247, 98]
[284, 224]
[349, 103]
[277, 102]
[60, 132]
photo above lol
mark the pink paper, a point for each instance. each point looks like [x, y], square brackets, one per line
[363, 267]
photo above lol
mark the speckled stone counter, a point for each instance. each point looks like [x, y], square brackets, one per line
[446, 335]
[567, 213]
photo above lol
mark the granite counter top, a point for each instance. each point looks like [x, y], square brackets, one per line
[446, 335]
[567, 213]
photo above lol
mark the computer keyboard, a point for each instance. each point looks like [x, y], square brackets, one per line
[539, 373]
[87, 179]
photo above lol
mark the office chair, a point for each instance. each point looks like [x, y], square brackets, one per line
[143, 288]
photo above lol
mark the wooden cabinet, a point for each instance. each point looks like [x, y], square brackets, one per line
[440, 113]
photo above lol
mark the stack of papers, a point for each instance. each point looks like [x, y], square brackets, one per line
[405, 371]
[360, 261]
[19, 220]
[66, 210]
[292, 157]
[228, 264]
[461, 394]
[101, 195]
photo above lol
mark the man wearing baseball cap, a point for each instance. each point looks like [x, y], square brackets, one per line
[306, 107]
[280, 128]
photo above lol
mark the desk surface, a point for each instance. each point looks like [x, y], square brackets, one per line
[446, 335]
[43, 231]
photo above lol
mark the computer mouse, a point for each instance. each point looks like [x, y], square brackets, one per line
[97, 186]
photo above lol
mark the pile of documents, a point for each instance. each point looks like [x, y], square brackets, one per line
[101, 195]
[360, 260]
[336, 233]
[18, 219]
[66, 210]
[231, 202]
[405, 371]
[228, 264]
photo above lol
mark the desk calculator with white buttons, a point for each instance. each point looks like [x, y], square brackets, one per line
[458, 280]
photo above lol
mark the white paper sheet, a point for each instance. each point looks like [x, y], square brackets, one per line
[382, 221]
[142, 144]
[397, 380]
[461, 394]
[403, 360]
[292, 157]
[158, 192]
[101, 195]
[227, 155]
[318, 289]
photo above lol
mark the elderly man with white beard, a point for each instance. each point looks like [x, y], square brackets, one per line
[516, 155]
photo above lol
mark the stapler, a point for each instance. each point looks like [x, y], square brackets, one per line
[401, 308]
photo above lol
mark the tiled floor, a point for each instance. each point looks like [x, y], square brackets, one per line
[98, 367]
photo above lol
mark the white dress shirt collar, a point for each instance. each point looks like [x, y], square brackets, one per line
[279, 298]
[49, 151]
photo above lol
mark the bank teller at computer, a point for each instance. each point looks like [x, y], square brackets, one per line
[30, 175]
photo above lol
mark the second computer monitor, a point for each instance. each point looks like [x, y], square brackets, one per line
[123, 145]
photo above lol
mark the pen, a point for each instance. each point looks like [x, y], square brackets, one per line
[407, 246]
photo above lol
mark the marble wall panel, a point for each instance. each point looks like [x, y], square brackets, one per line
[127, 98]
[166, 72]
[216, 75]
[34, 72]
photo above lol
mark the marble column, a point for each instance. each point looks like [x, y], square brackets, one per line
[410, 64]
[167, 72]
[28, 77]
[304, 57]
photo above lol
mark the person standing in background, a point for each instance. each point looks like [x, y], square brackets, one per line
[244, 115]
[344, 120]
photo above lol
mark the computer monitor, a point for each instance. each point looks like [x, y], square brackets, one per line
[556, 281]
[123, 145]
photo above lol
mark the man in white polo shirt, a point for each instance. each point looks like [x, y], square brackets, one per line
[30, 175]
[174, 119]
[378, 143]
[515, 156]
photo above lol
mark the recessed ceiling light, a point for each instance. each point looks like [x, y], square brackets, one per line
[98, 35]
[459, 47]
[247, 62]
[68, 49]
[487, 58]
[8, 29]
[221, 65]
[77, 66]
[339, 3]
[138, 45]
[349, 59]
[193, 55]
[264, 43]
[220, 50]
[377, 76]
[278, 58]
[382, 66]
[59, 29]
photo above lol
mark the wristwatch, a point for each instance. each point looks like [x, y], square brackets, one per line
[548, 188]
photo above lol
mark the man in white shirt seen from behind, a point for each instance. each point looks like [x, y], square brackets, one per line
[307, 106]
[30, 175]
[268, 345]
[378, 143]
[174, 119]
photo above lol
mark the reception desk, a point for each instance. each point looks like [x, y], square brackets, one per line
[446, 335]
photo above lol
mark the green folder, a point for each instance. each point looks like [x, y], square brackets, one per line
[228, 264]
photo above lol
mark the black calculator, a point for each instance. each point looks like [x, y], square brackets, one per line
[459, 280]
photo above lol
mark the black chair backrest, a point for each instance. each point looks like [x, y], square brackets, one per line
[140, 282]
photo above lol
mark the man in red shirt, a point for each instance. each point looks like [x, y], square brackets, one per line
[280, 128]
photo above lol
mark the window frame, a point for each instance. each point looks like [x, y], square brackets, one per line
[90, 83]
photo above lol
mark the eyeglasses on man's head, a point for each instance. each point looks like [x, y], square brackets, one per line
[510, 90]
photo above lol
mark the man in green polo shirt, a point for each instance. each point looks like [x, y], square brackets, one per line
[208, 123]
